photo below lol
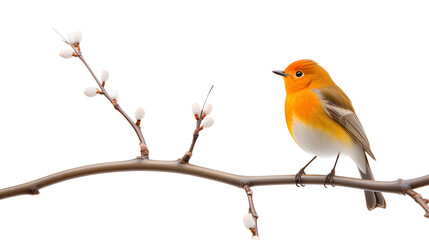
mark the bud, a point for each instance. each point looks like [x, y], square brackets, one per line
[196, 110]
[114, 94]
[90, 91]
[255, 237]
[66, 53]
[207, 109]
[248, 221]
[104, 75]
[207, 122]
[74, 37]
[139, 113]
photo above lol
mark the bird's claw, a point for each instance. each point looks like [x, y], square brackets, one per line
[329, 178]
[298, 180]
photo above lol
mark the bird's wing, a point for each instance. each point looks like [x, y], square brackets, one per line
[338, 107]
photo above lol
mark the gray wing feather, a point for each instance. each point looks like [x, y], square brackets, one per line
[345, 117]
[351, 123]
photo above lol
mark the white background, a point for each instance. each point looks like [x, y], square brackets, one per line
[164, 56]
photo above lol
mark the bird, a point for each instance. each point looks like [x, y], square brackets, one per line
[322, 121]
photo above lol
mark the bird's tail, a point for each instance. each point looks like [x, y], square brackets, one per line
[373, 199]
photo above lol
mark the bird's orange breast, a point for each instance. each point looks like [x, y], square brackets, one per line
[307, 107]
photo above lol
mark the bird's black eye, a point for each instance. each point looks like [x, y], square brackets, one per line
[299, 74]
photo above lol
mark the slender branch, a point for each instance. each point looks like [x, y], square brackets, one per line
[418, 198]
[252, 209]
[188, 154]
[144, 150]
[205, 100]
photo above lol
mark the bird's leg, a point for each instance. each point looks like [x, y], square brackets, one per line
[331, 175]
[301, 172]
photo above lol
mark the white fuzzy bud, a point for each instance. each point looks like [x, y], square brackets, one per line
[104, 75]
[90, 91]
[207, 122]
[66, 53]
[74, 37]
[196, 110]
[207, 109]
[114, 94]
[139, 113]
[248, 221]
[255, 237]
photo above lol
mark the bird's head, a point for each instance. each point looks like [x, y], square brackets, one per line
[303, 73]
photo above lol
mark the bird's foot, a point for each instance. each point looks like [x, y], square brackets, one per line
[329, 178]
[298, 180]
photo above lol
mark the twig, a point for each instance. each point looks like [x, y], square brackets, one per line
[67, 42]
[419, 199]
[205, 101]
[188, 154]
[144, 151]
[252, 209]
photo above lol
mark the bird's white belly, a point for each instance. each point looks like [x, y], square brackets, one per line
[322, 144]
[315, 141]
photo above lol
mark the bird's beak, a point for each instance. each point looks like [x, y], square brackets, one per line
[281, 73]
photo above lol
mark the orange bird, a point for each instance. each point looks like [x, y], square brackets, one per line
[321, 119]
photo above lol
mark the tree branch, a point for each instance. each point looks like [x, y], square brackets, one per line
[144, 151]
[252, 209]
[199, 117]
[399, 186]
[418, 198]
[143, 147]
